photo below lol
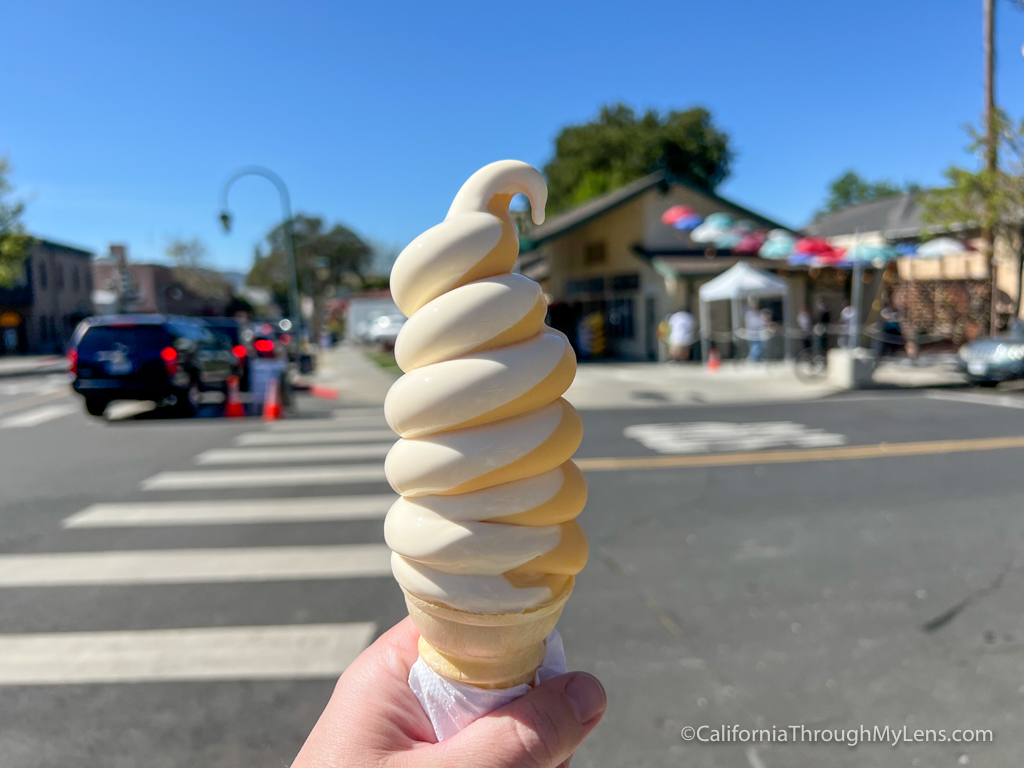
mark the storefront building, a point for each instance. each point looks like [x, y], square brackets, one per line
[613, 270]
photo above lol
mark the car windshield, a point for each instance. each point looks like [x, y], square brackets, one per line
[134, 337]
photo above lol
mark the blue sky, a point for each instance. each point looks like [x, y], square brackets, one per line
[122, 120]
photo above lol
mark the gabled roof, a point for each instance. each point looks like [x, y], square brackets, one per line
[576, 217]
[895, 217]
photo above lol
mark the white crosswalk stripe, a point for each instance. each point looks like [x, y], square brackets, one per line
[346, 449]
[291, 454]
[191, 566]
[299, 438]
[264, 478]
[300, 510]
[38, 416]
[216, 653]
[353, 422]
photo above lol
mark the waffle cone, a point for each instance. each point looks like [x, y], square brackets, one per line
[488, 650]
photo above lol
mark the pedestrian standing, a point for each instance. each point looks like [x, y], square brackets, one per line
[754, 325]
[846, 323]
[822, 321]
[680, 335]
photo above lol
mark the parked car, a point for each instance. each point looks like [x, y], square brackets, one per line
[171, 360]
[384, 330]
[986, 362]
[240, 338]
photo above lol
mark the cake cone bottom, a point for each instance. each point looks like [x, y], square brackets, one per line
[488, 650]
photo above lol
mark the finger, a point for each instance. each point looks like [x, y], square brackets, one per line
[539, 730]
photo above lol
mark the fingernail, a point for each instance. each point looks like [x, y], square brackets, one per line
[587, 697]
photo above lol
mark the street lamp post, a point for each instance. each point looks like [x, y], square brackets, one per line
[294, 310]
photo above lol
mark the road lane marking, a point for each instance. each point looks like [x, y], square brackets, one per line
[840, 453]
[264, 478]
[195, 566]
[300, 510]
[127, 409]
[706, 436]
[348, 413]
[38, 416]
[301, 651]
[52, 383]
[298, 438]
[292, 454]
[35, 400]
[1001, 401]
[357, 422]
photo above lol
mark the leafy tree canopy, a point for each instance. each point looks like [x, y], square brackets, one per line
[987, 199]
[851, 188]
[14, 243]
[620, 146]
[325, 257]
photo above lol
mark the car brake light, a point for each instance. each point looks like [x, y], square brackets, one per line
[264, 345]
[239, 351]
[73, 361]
[170, 357]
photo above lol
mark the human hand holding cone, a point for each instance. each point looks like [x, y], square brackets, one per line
[484, 541]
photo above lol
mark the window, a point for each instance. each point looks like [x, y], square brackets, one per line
[60, 277]
[44, 326]
[629, 282]
[42, 275]
[620, 318]
[76, 282]
[594, 253]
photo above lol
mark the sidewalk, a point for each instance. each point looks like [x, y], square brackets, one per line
[346, 373]
[25, 365]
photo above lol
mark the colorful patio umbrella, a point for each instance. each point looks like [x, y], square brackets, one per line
[871, 254]
[719, 220]
[673, 214]
[939, 247]
[706, 232]
[778, 245]
[751, 242]
[687, 223]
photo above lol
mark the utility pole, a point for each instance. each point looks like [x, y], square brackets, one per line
[991, 145]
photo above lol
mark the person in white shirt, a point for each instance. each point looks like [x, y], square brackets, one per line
[680, 335]
[755, 324]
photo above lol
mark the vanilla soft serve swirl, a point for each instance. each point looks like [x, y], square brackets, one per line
[485, 523]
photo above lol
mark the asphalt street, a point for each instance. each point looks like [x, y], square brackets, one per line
[186, 591]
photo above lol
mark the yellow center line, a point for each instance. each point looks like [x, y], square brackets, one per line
[35, 399]
[796, 456]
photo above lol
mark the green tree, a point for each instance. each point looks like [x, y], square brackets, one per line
[851, 188]
[619, 147]
[983, 198]
[326, 258]
[191, 268]
[14, 243]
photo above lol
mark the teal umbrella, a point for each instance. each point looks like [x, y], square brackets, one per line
[871, 254]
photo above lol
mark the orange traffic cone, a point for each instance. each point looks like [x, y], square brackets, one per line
[272, 404]
[714, 361]
[233, 407]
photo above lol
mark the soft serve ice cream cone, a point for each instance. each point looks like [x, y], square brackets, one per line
[484, 540]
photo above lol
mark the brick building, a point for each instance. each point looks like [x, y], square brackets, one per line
[39, 314]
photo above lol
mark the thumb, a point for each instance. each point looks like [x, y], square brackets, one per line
[539, 730]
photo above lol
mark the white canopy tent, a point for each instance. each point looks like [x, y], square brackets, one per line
[737, 284]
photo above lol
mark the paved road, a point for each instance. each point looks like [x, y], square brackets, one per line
[143, 559]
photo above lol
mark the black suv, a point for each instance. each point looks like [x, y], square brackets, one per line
[147, 357]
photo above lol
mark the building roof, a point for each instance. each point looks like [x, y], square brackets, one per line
[591, 209]
[895, 217]
[62, 246]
